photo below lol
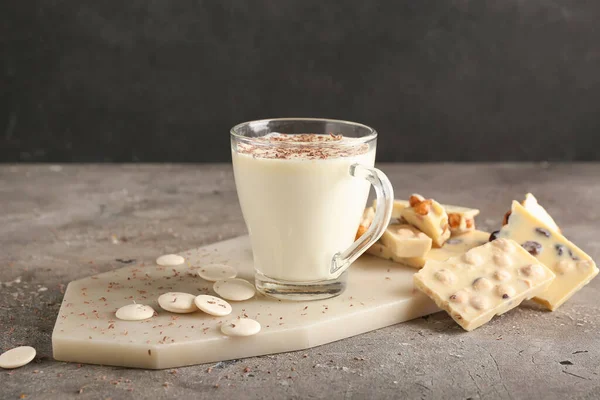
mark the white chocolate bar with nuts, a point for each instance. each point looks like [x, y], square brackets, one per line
[453, 247]
[531, 204]
[461, 219]
[406, 241]
[429, 217]
[485, 281]
[573, 268]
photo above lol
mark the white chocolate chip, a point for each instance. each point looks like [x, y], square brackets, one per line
[216, 272]
[534, 270]
[17, 357]
[504, 245]
[472, 258]
[459, 297]
[502, 259]
[505, 291]
[479, 302]
[213, 305]
[482, 284]
[502, 275]
[445, 276]
[234, 289]
[170, 260]
[177, 302]
[134, 312]
[564, 266]
[240, 327]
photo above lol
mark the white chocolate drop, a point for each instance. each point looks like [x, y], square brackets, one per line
[17, 357]
[216, 272]
[213, 305]
[234, 289]
[177, 302]
[240, 327]
[134, 312]
[170, 260]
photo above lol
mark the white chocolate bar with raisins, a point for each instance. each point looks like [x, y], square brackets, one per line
[573, 268]
[406, 241]
[460, 219]
[531, 204]
[485, 281]
[429, 217]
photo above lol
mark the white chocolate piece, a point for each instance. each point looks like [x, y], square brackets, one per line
[177, 302]
[399, 205]
[406, 241]
[472, 295]
[213, 305]
[240, 327]
[134, 312]
[170, 260]
[17, 357]
[453, 247]
[531, 204]
[380, 250]
[461, 219]
[234, 289]
[430, 218]
[216, 272]
[574, 268]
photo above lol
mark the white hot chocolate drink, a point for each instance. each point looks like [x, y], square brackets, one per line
[300, 203]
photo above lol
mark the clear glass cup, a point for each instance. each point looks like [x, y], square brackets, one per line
[303, 201]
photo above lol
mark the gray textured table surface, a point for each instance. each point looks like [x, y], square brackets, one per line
[60, 223]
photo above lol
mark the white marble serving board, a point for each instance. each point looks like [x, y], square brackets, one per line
[380, 293]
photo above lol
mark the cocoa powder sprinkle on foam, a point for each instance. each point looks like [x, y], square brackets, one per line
[303, 146]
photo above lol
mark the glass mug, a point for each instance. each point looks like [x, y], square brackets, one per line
[303, 184]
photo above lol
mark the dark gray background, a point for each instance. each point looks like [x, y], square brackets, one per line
[162, 80]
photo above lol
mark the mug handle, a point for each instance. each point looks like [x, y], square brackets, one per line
[385, 204]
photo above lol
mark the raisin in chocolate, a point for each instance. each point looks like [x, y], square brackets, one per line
[494, 236]
[534, 248]
[543, 231]
[560, 249]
